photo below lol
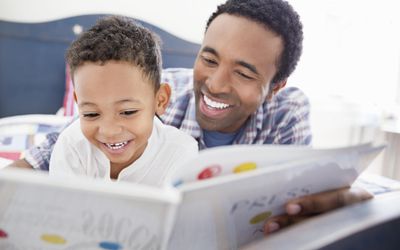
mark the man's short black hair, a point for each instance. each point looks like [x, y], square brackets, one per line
[120, 39]
[277, 16]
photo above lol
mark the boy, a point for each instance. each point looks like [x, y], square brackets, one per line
[116, 68]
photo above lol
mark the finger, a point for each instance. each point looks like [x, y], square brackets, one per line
[326, 201]
[278, 222]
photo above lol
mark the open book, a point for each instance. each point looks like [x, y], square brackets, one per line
[219, 200]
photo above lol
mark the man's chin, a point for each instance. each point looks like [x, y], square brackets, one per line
[209, 124]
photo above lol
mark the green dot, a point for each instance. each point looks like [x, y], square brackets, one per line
[260, 217]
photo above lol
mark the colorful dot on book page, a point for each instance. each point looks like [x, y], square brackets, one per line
[3, 234]
[260, 217]
[110, 245]
[209, 172]
[247, 166]
[53, 239]
[178, 183]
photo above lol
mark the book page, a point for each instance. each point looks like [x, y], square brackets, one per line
[239, 204]
[227, 160]
[38, 216]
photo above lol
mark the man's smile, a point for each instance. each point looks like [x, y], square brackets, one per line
[214, 104]
[212, 108]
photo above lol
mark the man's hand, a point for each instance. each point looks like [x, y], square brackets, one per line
[304, 207]
[20, 164]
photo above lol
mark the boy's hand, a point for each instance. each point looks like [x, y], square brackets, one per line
[304, 207]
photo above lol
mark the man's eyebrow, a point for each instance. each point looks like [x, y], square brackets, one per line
[249, 66]
[210, 50]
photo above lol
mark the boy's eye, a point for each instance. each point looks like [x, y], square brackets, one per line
[90, 115]
[128, 112]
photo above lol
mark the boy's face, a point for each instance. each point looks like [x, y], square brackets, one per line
[117, 105]
[233, 70]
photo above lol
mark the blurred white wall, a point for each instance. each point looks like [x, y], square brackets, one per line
[185, 18]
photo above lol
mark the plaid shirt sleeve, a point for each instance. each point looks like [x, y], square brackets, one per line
[39, 156]
[295, 124]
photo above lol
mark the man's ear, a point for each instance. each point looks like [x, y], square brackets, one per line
[276, 88]
[162, 98]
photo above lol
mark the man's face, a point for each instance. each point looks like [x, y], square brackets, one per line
[116, 107]
[233, 70]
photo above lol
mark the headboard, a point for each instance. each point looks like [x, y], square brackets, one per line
[32, 65]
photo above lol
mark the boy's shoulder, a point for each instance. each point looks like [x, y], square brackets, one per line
[72, 133]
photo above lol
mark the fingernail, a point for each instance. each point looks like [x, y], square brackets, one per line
[272, 227]
[293, 209]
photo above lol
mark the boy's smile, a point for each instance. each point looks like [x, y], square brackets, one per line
[233, 70]
[117, 105]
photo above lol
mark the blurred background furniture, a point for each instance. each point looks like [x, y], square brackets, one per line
[32, 65]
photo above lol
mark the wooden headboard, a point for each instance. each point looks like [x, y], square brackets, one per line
[32, 64]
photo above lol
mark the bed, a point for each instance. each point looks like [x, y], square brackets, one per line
[33, 83]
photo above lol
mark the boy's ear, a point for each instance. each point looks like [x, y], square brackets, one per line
[276, 88]
[162, 98]
[76, 99]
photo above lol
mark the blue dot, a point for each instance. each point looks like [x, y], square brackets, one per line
[178, 183]
[110, 245]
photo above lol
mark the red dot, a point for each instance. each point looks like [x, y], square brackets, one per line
[209, 172]
[3, 234]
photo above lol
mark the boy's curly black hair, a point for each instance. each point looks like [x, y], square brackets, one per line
[276, 15]
[120, 39]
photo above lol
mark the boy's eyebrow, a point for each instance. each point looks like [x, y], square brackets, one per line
[242, 63]
[83, 104]
[128, 100]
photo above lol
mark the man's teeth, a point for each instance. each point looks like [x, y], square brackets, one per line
[115, 146]
[213, 104]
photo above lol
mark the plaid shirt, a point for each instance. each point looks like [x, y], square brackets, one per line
[282, 120]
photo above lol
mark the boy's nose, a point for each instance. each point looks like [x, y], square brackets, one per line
[110, 129]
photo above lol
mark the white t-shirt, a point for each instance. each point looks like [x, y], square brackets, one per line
[166, 150]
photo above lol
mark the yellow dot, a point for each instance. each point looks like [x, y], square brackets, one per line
[260, 217]
[247, 166]
[53, 239]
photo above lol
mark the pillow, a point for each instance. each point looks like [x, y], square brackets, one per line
[18, 133]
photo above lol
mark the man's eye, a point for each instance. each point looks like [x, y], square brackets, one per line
[245, 76]
[209, 61]
[128, 112]
[90, 115]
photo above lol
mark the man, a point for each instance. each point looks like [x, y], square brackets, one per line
[235, 95]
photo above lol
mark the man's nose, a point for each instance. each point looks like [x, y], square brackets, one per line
[218, 82]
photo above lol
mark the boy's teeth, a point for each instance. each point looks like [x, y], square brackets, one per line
[214, 104]
[117, 145]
